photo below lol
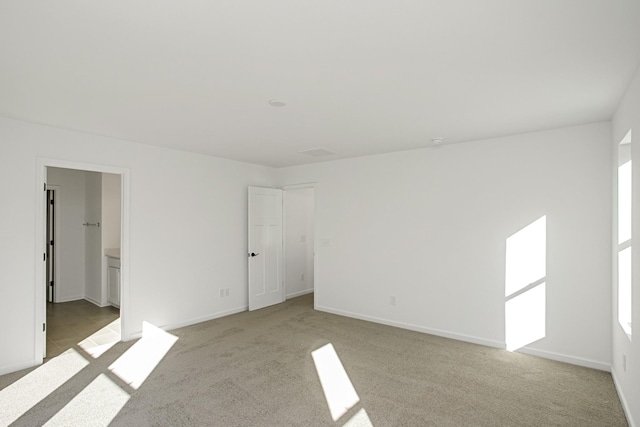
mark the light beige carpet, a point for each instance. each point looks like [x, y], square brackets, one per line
[257, 369]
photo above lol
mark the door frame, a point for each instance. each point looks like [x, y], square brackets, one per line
[42, 164]
[284, 188]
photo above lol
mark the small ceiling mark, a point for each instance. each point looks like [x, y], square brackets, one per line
[277, 103]
[317, 152]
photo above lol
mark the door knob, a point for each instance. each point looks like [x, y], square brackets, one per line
[252, 254]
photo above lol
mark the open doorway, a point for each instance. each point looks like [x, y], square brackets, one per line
[281, 244]
[299, 241]
[83, 227]
[84, 233]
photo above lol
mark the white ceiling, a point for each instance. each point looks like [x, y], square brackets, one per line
[358, 76]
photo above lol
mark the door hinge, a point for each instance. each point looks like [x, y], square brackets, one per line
[44, 327]
[51, 243]
[45, 186]
[51, 201]
[44, 257]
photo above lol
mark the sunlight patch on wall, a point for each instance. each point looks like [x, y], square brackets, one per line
[624, 202]
[625, 219]
[96, 405]
[525, 287]
[525, 316]
[137, 363]
[624, 289]
[526, 256]
[338, 389]
[100, 341]
[28, 391]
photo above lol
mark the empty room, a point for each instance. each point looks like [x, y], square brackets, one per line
[319, 213]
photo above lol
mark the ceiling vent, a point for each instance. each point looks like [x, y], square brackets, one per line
[317, 152]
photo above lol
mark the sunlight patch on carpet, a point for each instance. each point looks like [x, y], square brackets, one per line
[137, 363]
[96, 405]
[28, 391]
[338, 389]
[100, 341]
[360, 419]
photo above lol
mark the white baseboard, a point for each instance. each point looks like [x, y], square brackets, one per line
[96, 302]
[17, 367]
[471, 339]
[623, 400]
[69, 299]
[299, 293]
[411, 327]
[579, 361]
[193, 321]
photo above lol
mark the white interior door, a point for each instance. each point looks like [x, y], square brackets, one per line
[265, 247]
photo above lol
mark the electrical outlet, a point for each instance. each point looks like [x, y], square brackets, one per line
[624, 362]
[392, 300]
[303, 239]
[226, 292]
[302, 277]
[221, 293]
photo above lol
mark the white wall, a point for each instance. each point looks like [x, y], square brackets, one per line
[93, 238]
[111, 208]
[299, 243]
[78, 248]
[70, 234]
[429, 227]
[628, 382]
[187, 235]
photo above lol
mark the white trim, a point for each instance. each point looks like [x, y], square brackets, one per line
[471, 339]
[625, 405]
[18, 367]
[411, 327]
[71, 298]
[125, 265]
[94, 302]
[300, 293]
[42, 163]
[573, 360]
[300, 186]
[285, 188]
[196, 320]
[83, 166]
[40, 299]
[284, 245]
